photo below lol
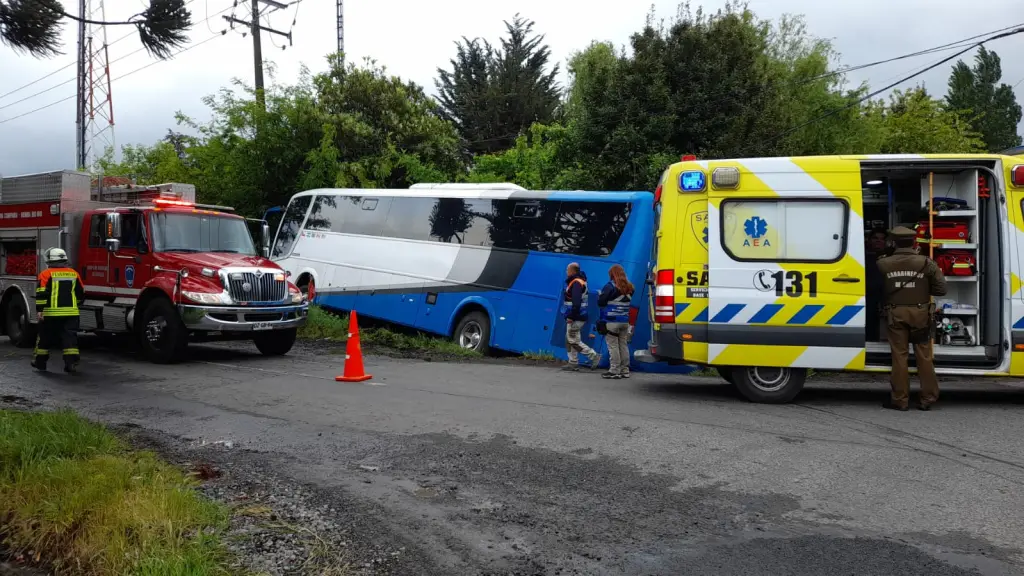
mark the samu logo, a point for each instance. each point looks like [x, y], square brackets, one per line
[756, 228]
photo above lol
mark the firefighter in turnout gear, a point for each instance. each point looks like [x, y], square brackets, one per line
[57, 297]
[911, 279]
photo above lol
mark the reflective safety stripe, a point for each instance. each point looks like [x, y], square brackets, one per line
[71, 351]
[59, 312]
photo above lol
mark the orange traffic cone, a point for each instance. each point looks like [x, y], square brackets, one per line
[354, 371]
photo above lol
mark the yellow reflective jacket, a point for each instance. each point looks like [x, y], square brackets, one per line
[59, 292]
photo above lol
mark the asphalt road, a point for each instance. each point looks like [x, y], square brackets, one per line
[498, 468]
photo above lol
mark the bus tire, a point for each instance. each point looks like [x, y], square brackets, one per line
[275, 342]
[726, 374]
[769, 385]
[20, 331]
[162, 335]
[473, 332]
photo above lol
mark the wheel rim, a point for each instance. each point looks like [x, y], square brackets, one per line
[769, 379]
[471, 336]
[17, 324]
[155, 330]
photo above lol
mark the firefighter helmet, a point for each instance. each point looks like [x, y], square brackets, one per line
[56, 256]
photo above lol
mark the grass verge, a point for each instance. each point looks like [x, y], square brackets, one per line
[324, 325]
[74, 498]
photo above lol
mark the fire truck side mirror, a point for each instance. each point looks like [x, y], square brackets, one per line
[113, 244]
[113, 226]
[265, 240]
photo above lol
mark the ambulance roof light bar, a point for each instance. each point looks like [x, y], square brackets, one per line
[186, 204]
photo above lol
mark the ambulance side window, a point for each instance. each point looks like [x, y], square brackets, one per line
[791, 230]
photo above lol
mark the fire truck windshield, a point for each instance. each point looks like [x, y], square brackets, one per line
[176, 232]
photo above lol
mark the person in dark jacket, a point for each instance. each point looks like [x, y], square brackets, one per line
[614, 301]
[575, 301]
[875, 283]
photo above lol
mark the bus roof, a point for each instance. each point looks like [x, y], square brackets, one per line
[484, 193]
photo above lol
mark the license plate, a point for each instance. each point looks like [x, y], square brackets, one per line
[262, 326]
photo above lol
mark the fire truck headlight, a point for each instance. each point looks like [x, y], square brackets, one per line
[297, 296]
[207, 297]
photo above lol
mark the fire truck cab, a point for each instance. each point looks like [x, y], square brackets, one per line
[154, 264]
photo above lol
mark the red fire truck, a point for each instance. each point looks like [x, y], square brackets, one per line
[154, 263]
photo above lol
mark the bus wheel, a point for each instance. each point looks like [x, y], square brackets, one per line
[309, 289]
[473, 332]
[769, 385]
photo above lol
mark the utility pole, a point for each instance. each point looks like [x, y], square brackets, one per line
[255, 27]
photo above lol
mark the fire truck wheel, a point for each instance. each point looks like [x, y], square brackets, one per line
[768, 385]
[161, 334]
[20, 331]
[276, 342]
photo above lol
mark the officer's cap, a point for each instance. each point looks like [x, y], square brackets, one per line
[902, 232]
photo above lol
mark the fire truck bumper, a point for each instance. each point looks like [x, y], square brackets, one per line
[243, 319]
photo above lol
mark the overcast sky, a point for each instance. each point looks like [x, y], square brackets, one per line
[412, 38]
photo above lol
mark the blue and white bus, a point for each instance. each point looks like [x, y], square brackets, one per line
[483, 264]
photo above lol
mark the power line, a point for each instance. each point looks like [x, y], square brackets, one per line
[70, 64]
[893, 85]
[941, 48]
[70, 80]
[141, 68]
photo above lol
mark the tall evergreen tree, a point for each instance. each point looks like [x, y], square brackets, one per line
[991, 105]
[494, 94]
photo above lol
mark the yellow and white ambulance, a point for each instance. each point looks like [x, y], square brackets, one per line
[762, 267]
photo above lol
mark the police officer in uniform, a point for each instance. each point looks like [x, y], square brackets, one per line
[57, 297]
[911, 279]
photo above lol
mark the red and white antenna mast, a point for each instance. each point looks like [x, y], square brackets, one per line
[95, 101]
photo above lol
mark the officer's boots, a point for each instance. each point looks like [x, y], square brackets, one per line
[71, 365]
[39, 363]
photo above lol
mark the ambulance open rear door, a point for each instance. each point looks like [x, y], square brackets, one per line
[786, 259]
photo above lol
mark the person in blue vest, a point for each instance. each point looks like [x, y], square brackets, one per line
[614, 301]
[574, 309]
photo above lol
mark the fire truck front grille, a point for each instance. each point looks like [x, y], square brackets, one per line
[250, 287]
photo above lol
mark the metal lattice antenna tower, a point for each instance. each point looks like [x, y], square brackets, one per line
[341, 26]
[95, 114]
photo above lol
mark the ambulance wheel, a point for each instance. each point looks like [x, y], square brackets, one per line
[726, 374]
[275, 342]
[20, 331]
[473, 332]
[769, 385]
[161, 333]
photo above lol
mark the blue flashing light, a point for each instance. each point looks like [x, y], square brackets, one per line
[692, 181]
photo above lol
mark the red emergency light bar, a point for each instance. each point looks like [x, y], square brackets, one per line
[186, 204]
[688, 158]
[1017, 175]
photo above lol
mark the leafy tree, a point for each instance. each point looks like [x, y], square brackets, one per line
[35, 26]
[914, 122]
[492, 95]
[992, 105]
[350, 127]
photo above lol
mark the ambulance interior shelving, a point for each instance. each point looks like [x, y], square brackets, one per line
[962, 235]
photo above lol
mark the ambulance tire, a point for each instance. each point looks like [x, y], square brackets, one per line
[20, 331]
[276, 342]
[768, 385]
[168, 339]
[726, 374]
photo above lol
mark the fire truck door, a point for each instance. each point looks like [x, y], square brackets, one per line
[126, 272]
[93, 258]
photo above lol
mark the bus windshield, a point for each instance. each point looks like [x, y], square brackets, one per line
[175, 232]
